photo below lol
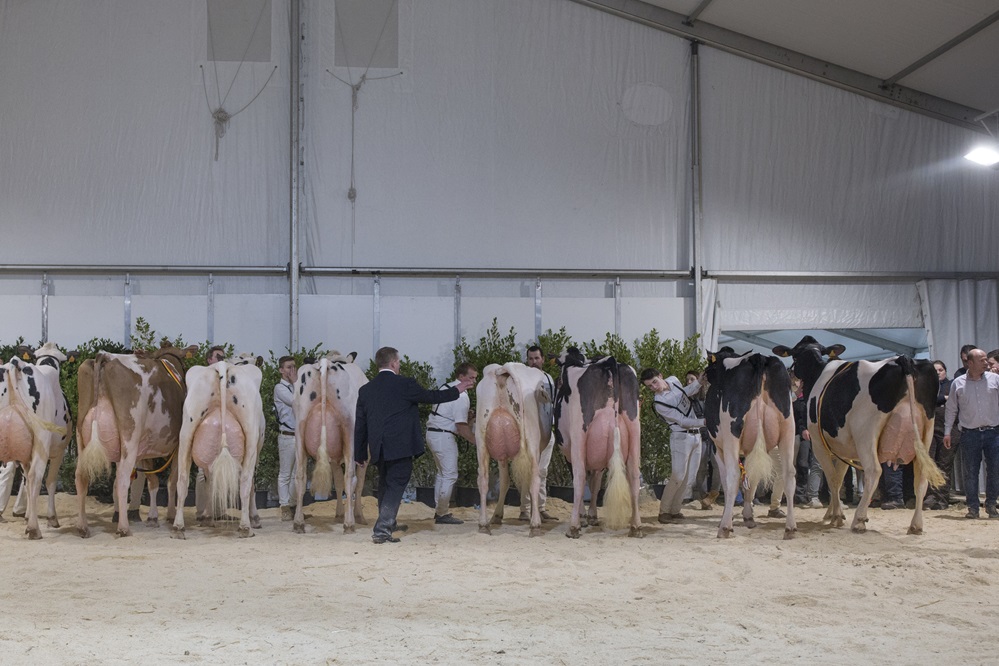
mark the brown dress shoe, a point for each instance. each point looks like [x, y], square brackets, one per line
[548, 518]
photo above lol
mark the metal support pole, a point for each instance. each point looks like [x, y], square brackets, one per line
[537, 310]
[695, 186]
[45, 307]
[617, 307]
[297, 107]
[211, 309]
[128, 310]
[457, 310]
[376, 315]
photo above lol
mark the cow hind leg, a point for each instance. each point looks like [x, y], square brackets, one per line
[728, 467]
[504, 474]
[50, 489]
[593, 480]
[82, 485]
[922, 483]
[33, 477]
[747, 507]
[483, 480]
[872, 474]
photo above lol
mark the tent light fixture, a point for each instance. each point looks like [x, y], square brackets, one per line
[985, 155]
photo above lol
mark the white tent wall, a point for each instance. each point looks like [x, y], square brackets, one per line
[960, 312]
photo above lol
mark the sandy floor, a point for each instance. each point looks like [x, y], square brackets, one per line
[447, 594]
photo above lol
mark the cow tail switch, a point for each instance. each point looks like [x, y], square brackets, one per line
[920, 442]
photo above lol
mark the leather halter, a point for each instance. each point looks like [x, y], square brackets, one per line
[818, 416]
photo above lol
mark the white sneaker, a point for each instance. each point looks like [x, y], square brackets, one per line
[814, 504]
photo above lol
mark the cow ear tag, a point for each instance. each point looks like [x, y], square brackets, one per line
[833, 355]
[711, 358]
[188, 355]
[26, 356]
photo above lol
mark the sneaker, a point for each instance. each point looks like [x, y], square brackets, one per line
[523, 516]
[287, 513]
[971, 514]
[814, 503]
[991, 511]
[888, 506]
[776, 513]
[447, 519]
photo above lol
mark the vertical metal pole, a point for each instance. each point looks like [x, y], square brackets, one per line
[457, 310]
[376, 315]
[617, 306]
[128, 310]
[211, 308]
[45, 307]
[297, 36]
[537, 310]
[695, 185]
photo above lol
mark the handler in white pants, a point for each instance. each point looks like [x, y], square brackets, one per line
[284, 393]
[672, 404]
[447, 420]
[7, 473]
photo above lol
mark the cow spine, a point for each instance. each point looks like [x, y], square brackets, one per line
[322, 475]
[225, 469]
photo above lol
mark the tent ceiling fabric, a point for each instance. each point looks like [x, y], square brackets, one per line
[879, 39]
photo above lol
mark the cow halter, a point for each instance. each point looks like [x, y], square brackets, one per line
[818, 416]
[171, 372]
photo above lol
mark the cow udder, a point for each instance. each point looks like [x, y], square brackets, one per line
[897, 441]
[208, 438]
[312, 431]
[15, 437]
[502, 435]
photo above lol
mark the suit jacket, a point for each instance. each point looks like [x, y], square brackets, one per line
[387, 420]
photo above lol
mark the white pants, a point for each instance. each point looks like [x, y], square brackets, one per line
[685, 451]
[200, 496]
[525, 493]
[777, 491]
[7, 473]
[444, 448]
[286, 468]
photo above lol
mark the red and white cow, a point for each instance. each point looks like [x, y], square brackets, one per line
[597, 422]
[748, 412]
[865, 413]
[34, 426]
[129, 410]
[223, 432]
[511, 428]
[324, 404]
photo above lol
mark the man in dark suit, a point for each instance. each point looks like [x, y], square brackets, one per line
[387, 425]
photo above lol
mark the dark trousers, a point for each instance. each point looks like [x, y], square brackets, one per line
[944, 458]
[891, 484]
[393, 475]
[976, 445]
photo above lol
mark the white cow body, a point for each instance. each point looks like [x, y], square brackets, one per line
[324, 405]
[511, 429]
[223, 432]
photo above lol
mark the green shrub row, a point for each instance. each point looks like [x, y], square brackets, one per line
[669, 356]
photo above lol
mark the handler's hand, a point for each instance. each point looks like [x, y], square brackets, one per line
[946, 441]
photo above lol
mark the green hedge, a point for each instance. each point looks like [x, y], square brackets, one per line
[669, 356]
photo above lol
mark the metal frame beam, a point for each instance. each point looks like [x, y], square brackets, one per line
[940, 50]
[812, 277]
[876, 341]
[751, 339]
[790, 61]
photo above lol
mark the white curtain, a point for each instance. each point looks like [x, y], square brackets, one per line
[709, 315]
[960, 312]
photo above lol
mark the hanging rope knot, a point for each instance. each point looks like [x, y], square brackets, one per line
[352, 194]
[221, 117]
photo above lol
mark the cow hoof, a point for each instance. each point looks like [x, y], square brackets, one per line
[592, 521]
[33, 533]
[496, 520]
[152, 522]
[123, 532]
[859, 529]
[838, 521]
[915, 530]
[245, 533]
[724, 532]
[348, 529]
[573, 533]
[133, 514]
[19, 514]
[2, 519]
[255, 522]
[749, 522]
[53, 522]
[299, 528]
[790, 533]
[83, 532]
[484, 529]
[178, 533]
[535, 531]
[203, 521]
[636, 532]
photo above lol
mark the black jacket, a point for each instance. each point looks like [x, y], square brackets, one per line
[387, 420]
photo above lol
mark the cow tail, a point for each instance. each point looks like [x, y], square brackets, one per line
[322, 475]
[921, 439]
[521, 467]
[759, 466]
[617, 498]
[225, 470]
[93, 460]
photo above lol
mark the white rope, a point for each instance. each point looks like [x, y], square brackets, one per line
[220, 116]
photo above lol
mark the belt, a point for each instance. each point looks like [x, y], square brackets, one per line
[694, 431]
[289, 433]
[982, 429]
[429, 429]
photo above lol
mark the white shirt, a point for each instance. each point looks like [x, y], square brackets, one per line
[284, 393]
[448, 414]
[977, 400]
[675, 408]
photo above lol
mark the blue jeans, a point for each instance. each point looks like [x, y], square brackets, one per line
[976, 445]
[891, 484]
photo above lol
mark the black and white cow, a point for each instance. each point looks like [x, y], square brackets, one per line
[35, 426]
[596, 418]
[748, 412]
[865, 413]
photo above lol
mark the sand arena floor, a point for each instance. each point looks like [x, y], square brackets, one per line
[447, 594]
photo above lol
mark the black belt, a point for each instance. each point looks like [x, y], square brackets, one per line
[429, 429]
[982, 429]
[695, 431]
[286, 432]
